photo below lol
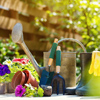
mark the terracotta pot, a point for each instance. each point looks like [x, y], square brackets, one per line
[30, 78]
[3, 88]
[18, 79]
[9, 88]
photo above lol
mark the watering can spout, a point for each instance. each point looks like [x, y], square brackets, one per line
[17, 37]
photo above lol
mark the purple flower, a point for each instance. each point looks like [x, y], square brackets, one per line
[2, 72]
[4, 69]
[5, 66]
[19, 91]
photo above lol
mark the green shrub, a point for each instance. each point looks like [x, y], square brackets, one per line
[8, 49]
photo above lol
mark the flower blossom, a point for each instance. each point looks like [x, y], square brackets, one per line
[30, 86]
[4, 69]
[19, 91]
[8, 62]
[23, 60]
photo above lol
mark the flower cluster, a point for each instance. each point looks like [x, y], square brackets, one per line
[19, 64]
[4, 69]
[22, 61]
[28, 91]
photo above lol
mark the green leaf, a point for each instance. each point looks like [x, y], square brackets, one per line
[11, 75]
[82, 17]
[90, 43]
[40, 92]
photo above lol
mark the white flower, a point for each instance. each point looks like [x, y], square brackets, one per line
[41, 28]
[98, 15]
[4, 48]
[71, 5]
[89, 9]
[94, 26]
[67, 15]
[67, 26]
[79, 22]
[54, 13]
[85, 1]
[75, 27]
[30, 86]
[70, 21]
[94, 14]
[95, 3]
[43, 19]
[84, 7]
[96, 9]
[8, 62]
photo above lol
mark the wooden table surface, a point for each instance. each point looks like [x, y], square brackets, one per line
[53, 97]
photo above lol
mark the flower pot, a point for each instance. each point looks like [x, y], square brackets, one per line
[9, 88]
[3, 88]
[18, 79]
[30, 79]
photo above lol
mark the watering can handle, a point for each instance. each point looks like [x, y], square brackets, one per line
[73, 40]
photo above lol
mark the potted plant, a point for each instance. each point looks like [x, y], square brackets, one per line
[18, 65]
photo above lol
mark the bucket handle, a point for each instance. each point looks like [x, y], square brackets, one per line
[77, 41]
[73, 40]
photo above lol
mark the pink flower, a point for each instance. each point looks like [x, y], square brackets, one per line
[19, 91]
[23, 60]
[1, 65]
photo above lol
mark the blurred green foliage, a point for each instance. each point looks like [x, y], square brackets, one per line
[8, 49]
[81, 15]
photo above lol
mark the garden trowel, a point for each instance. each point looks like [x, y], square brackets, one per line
[46, 76]
[58, 78]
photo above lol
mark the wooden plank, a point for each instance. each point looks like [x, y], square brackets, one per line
[37, 45]
[5, 33]
[51, 22]
[57, 19]
[13, 14]
[20, 6]
[5, 12]
[8, 23]
[28, 19]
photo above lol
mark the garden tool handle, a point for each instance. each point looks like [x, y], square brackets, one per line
[52, 53]
[58, 59]
[77, 41]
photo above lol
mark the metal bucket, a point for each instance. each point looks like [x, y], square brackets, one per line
[68, 63]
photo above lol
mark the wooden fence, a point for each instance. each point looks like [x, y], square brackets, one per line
[14, 11]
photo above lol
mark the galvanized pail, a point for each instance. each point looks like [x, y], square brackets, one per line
[68, 63]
